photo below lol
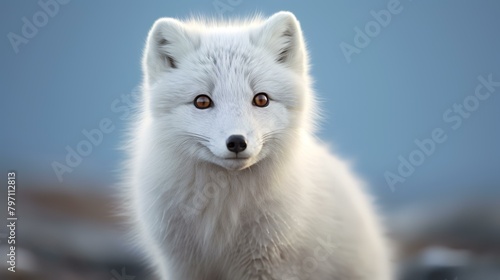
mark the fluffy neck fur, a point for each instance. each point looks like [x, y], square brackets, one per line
[215, 205]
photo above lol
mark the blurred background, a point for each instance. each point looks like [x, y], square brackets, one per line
[410, 96]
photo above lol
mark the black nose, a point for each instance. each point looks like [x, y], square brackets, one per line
[236, 143]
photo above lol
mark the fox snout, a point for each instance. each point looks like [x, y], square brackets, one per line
[236, 143]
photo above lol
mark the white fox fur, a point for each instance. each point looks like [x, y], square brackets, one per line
[285, 208]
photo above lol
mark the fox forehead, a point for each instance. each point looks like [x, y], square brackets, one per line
[226, 57]
[228, 62]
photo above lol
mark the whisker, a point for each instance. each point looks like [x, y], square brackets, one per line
[197, 136]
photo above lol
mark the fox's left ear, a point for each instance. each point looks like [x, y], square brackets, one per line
[281, 34]
[169, 41]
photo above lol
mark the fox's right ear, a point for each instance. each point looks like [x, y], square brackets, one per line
[168, 42]
[282, 36]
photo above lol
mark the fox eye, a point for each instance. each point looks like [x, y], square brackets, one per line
[261, 99]
[202, 102]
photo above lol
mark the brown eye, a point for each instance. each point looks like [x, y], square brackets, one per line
[261, 100]
[202, 102]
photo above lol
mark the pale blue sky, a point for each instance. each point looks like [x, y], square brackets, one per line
[394, 90]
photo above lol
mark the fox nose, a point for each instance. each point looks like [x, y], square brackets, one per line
[236, 143]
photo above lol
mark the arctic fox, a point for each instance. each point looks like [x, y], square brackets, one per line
[227, 180]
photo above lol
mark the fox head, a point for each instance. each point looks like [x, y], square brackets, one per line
[231, 94]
